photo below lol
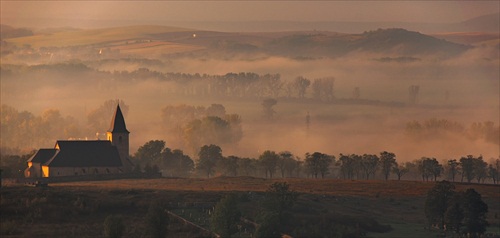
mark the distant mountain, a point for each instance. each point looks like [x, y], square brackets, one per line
[485, 23]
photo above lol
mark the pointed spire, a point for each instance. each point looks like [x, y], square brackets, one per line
[118, 122]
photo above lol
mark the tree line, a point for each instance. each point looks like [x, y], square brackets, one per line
[270, 164]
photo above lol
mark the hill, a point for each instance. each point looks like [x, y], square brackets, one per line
[86, 37]
[147, 41]
[7, 32]
[485, 23]
[388, 41]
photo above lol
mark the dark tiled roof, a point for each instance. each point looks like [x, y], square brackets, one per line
[118, 122]
[42, 155]
[95, 153]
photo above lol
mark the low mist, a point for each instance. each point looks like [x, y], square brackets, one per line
[462, 89]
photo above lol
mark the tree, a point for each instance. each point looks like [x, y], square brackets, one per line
[300, 85]
[113, 226]
[150, 152]
[413, 93]
[318, 163]
[278, 200]
[454, 214]
[225, 217]
[472, 167]
[216, 110]
[387, 162]
[453, 168]
[480, 168]
[269, 161]
[267, 108]
[176, 163]
[400, 170]
[247, 166]
[323, 89]
[229, 165]
[208, 157]
[347, 165]
[494, 170]
[283, 162]
[157, 220]
[475, 210]
[369, 164]
[212, 130]
[437, 202]
[269, 226]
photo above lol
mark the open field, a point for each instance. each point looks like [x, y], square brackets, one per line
[331, 187]
[93, 36]
[399, 204]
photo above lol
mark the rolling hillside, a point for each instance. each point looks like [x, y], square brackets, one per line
[159, 40]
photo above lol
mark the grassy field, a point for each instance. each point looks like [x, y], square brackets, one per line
[30, 211]
[93, 36]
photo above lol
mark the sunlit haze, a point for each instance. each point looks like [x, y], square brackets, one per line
[112, 13]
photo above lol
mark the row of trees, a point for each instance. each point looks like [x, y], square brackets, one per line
[438, 128]
[230, 85]
[270, 164]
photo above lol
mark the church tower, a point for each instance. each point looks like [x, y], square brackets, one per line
[119, 137]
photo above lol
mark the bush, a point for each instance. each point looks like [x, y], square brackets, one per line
[226, 216]
[157, 220]
[113, 226]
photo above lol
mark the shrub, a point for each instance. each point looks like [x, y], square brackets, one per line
[113, 226]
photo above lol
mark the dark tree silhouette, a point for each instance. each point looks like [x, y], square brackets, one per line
[387, 162]
[269, 162]
[318, 163]
[453, 168]
[208, 157]
[437, 202]
[475, 210]
[157, 220]
[226, 216]
[267, 108]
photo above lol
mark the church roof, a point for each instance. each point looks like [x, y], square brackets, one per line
[118, 122]
[43, 155]
[94, 153]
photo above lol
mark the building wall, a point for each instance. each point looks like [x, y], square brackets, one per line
[34, 170]
[121, 141]
[77, 171]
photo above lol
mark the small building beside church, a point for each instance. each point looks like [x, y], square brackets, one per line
[85, 157]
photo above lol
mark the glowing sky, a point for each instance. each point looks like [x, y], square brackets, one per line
[79, 13]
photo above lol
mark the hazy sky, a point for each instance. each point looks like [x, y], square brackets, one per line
[82, 13]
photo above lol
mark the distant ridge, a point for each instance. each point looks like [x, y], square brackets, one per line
[150, 39]
[486, 23]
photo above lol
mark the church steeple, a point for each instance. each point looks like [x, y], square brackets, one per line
[118, 122]
[119, 136]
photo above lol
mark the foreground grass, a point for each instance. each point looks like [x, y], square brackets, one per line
[79, 208]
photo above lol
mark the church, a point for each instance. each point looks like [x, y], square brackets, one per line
[85, 157]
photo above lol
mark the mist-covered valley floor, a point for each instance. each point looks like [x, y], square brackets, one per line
[364, 104]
